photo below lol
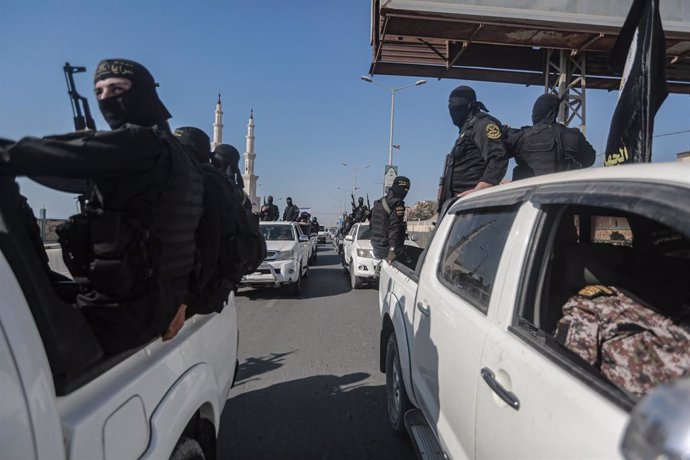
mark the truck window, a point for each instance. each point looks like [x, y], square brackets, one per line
[610, 294]
[472, 252]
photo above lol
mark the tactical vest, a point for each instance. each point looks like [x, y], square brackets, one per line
[132, 249]
[546, 148]
[466, 161]
[379, 225]
[632, 345]
[233, 233]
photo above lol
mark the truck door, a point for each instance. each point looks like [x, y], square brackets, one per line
[453, 312]
[16, 432]
[540, 398]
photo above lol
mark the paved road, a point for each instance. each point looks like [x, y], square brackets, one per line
[309, 385]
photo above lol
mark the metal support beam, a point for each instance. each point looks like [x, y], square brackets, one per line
[565, 75]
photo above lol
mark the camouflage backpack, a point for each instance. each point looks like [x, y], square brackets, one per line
[632, 345]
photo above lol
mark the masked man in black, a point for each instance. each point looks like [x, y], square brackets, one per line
[291, 212]
[269, 211]
[226, 158]
[210, 287]
[132, 247]
[548, 146]
[478, 159]
[388, 226]
[360, 213]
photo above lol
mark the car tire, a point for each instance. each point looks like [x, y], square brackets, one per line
[342, 262]
[397, 402]
[355, 281]
[187, 449]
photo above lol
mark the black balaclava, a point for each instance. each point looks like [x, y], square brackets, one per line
[140, 104]
[196, 140]
[462, 103]
[227, 160]
[360, 200]
[545, 109]
[400, 187]
[289, 201]
[269, 199]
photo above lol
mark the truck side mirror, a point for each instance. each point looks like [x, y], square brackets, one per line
[303, 238]
[349, 238]
[659, 425]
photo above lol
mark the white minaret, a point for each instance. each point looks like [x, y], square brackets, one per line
[250, 179]
[217, 126]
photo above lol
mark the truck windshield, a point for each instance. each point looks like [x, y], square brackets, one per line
[277, 232]
[364, 232]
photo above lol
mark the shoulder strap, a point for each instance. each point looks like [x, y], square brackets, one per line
[384, 203]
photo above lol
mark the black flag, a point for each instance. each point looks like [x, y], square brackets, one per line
[640, 52]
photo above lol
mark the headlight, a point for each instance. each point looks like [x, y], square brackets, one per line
[284, 255]
[366, 253]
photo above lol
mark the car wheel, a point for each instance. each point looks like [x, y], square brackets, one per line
[397, 402]
[355, 281]
[187, 449]
[342, 262]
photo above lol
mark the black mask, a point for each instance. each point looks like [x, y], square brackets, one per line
[289, 201]
[545, 109]
[227, 158]
[400, 187]
[460, 104]
[196, 140]
[140, 104]
[270, 200]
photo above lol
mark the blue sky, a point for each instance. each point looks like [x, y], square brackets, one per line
[296, 63]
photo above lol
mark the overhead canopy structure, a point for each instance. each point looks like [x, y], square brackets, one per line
[516, 41]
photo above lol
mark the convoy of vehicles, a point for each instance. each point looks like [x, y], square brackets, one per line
[63, 399]
[474, 368]
[287, 259]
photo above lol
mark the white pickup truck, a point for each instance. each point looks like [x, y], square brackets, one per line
[474, 369]
[62, 399]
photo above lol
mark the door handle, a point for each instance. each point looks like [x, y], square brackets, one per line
[423, 308]
[508, 397]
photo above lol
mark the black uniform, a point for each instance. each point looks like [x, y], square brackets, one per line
[479, 154]
[360, 213]
[548, 146]
[141, 224]
[291, 213]
[269, 212]
[388, 226]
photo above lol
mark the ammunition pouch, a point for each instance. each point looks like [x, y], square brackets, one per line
[106, 251]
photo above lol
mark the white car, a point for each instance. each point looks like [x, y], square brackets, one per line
[323, 234]
[358, 257]
[63, 399]
[313, 246]
[476, 344]
[287, 258]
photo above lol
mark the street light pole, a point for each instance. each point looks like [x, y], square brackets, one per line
[354, 175]
[393, 91]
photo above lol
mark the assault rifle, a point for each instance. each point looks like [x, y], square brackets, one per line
[352, 195]
[83, 120]
[368, 208]
[444, 185]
